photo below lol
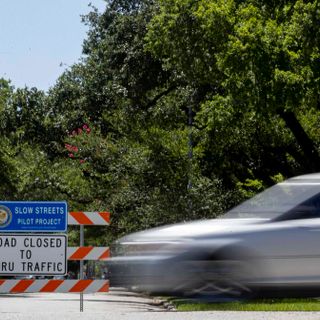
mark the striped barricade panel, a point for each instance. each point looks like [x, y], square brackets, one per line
[88, 253]
[61, 286]
[89, 218]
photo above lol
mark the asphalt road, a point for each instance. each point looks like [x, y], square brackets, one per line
[118, 305]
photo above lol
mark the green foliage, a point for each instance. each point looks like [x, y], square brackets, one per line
[250, 187]
[258, 61]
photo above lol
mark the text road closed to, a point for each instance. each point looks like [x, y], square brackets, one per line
[43, 254]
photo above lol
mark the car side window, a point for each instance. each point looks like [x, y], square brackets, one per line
[306, 210]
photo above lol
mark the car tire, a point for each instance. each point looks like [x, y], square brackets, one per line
[212, 278]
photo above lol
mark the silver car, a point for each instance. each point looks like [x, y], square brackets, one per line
[268, 245]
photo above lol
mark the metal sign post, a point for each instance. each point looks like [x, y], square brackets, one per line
[81, 265]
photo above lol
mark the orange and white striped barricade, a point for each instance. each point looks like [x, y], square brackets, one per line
[85, 218]
[81, 253]
[88, 253]
[53, 285]
[89, 218]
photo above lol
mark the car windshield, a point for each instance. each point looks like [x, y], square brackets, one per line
[275, 201]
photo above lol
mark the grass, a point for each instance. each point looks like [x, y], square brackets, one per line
[252, 305]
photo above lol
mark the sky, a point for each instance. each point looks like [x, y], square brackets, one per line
[39, 39]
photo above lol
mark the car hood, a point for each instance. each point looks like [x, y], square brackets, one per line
[194, 229]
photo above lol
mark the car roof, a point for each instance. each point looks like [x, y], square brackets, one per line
[311, 177]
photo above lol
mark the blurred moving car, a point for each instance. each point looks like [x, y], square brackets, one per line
[269, 245]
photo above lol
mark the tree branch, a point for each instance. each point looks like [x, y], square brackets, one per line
[159, 96]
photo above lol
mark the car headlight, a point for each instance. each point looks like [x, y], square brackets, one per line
[139, 248]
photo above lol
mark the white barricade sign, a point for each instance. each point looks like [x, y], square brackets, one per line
[33, 254]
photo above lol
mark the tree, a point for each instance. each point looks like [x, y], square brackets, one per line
[113, 132]
[258, 59]
[135, 158]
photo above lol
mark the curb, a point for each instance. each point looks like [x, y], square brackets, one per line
[164, 303]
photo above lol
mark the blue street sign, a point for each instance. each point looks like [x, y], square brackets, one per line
[33, 216]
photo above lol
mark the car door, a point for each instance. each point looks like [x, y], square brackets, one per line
[290, 248]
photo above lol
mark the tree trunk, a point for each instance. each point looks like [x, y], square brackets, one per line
[312, 159]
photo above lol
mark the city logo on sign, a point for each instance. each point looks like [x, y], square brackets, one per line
[5, 216]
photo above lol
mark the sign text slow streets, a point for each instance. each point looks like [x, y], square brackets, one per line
[33, 216]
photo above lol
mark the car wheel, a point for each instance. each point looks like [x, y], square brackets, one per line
[213, 279]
